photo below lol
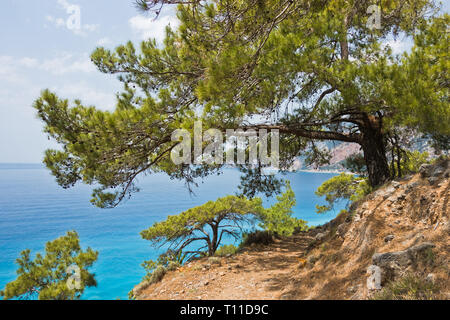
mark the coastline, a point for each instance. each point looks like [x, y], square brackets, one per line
[322, 171]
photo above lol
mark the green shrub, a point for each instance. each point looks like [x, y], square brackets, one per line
[226, 250]
[214, 260]
[342, 187]
[256, 237]
[158, 274]
[170, 261]
[413, 160]
[278, 218]
[410, 287]
[197, 267]
[342, 213]
[313, 259]
[172, 266]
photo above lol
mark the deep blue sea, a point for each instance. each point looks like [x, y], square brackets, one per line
[34, 210]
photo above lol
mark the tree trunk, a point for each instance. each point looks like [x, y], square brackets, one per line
[213, 246]
[373, 145]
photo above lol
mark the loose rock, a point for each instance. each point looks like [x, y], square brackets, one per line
[320, 236]
[396, 264]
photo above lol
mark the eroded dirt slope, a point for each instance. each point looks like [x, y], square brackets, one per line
[401, 228]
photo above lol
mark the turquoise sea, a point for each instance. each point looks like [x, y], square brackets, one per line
[34, 210]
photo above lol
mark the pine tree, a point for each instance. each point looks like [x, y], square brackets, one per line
[230, 215]
[314, 70]
[48, 277]
[207, 224]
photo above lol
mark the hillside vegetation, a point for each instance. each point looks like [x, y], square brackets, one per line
[399, 232]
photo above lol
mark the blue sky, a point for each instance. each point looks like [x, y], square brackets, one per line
[41, 49]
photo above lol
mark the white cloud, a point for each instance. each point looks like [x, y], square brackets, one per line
[67, 63]
[88, 94]
[58, 22]
[104, 41]
[152, 28]
[6, 65]
[23, 78]
[90, 27]
[61, 64]
[28, 62]
[399, 46]
[64, 3]
[8, 71]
